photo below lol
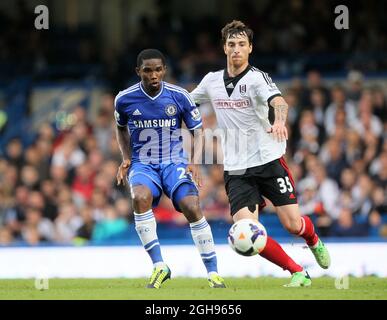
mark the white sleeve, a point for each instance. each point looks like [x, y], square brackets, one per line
[200, 94]
[266, 89]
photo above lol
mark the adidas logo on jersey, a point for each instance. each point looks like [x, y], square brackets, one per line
[137, 113]
[230, 86]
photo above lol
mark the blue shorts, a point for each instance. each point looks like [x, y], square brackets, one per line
[171, 179]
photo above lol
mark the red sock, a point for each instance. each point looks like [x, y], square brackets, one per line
[307, 231]
[275, 254]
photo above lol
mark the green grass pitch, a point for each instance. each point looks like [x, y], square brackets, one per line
[188, 288]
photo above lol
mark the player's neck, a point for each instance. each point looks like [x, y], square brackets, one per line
[151, 91]
[234, 70]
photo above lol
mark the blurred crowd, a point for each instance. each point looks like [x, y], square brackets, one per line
[62, 188]
[338, 154]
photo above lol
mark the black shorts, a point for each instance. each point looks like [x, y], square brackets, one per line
[272, 180]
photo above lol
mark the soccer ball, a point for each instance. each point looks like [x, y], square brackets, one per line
[247, 237]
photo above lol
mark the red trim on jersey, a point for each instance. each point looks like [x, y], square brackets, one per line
[285, 166]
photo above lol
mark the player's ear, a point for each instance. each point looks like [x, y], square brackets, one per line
[250, 48]
[224, 49]
[138, 71]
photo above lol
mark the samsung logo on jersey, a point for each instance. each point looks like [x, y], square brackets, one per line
[156, 123]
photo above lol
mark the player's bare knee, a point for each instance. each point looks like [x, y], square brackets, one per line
[191, 210]
[250, 212]
[142, 199]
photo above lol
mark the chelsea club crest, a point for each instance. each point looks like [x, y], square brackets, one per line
[170, 110]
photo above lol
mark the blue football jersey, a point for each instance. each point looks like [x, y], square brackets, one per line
[154, 123]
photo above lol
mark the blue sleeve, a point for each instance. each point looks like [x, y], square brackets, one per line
[191, 114]
[119, 113]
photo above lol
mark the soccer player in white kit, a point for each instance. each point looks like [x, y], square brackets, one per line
[254, 145]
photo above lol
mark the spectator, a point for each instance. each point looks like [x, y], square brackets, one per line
[83, 184]
[345, 226]
[103, 130]
[378, 170]
[166, 212]
[308, 197]
[31, 235]
[43, 226]
[309, 133]
[353, 146]
[98, 202]
[315, 82]
[15, 215]
[378, 215]
[59, 175]
[333, 159]
[29, 177]
[347, 179]
[341, 104]
[328, 192]
[123, 207]
[49, 193]
[9, 178]
[34, 159]
[292, 99]
[84, 232]
[355, 85]
[219, 208]
[379, 103]
[369, 123]
[67, 223]
[68, 154]
[14, 152]
[6, 237]
[361, 197]
[318, 103]
[110, 227]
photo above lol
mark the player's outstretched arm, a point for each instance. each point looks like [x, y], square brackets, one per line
[123, 139]
[278, 129]
[196, 156]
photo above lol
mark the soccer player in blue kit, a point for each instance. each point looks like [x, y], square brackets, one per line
[149, 117]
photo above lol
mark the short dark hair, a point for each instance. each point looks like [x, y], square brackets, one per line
[234, 28]
[149, 54]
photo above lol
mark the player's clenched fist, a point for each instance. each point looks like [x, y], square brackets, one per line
[122, 170]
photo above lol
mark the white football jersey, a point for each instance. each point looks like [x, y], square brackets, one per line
[242, 112]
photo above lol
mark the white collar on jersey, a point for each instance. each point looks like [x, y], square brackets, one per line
[156, 96]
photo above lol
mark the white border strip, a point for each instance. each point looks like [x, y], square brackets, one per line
[358, 259]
